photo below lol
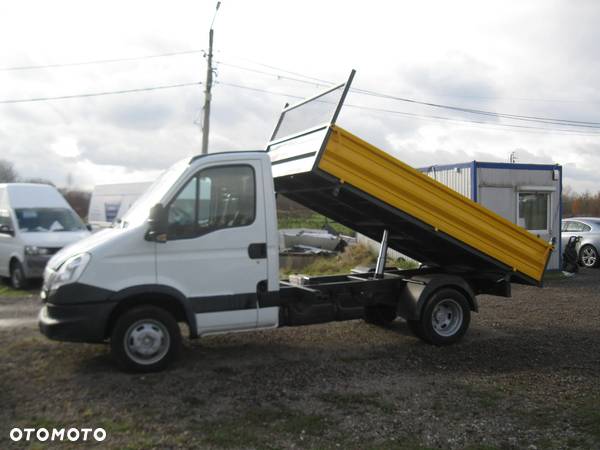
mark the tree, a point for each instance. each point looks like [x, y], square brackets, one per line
[79, 201]
[8, 174]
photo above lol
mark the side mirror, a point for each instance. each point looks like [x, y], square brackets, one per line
[89, 227]
[5, 229]
[157, 224]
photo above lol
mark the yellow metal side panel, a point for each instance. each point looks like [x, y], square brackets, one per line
[379, 174]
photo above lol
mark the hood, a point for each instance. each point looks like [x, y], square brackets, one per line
[82, 246]
[53, 238]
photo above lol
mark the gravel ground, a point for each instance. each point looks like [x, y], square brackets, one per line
[526, 376]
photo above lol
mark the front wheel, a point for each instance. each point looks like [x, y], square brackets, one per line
[17, 276]
[588, 256]
[145, 339]
[444, 319]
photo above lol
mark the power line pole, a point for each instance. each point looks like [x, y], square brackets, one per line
[208, 87]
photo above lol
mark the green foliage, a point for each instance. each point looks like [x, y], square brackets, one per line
[288, 219]
[351, 257]
[6, 291]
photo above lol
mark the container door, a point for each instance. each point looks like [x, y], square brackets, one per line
[215, 252]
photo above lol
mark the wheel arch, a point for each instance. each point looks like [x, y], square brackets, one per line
[417, 292]
[164, 297]
[12, 260]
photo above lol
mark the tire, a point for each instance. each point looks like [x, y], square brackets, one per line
[380, 314]
[145, 339]
[588, 256]
[17, 276]
[444, 319]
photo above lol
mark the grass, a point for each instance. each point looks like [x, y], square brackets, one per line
[486, 397]
[356, 400]
[7, 291]
[313, 220]
[351, 257]
[587, 417]
[257, 427]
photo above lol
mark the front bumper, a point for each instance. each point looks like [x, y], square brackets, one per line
[64, 316]
[34, 265]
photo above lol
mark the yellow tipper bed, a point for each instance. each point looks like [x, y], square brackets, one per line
[329, 170]
[354, 161]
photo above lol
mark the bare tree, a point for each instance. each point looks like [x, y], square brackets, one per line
[8, 174]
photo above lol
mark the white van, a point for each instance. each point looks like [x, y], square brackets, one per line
[35, 223]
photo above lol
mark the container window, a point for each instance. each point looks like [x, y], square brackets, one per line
[533, 210]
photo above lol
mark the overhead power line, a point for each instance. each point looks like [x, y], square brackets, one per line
[441, 95]
[274, 75]
[424, 116]
[550, 120]
[98, 61]
[98, 94]
[536, 119]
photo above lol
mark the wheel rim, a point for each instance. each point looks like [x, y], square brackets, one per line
[589, 256]
[147, 341]
[447, 317]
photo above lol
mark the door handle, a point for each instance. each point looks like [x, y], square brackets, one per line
[257, 250]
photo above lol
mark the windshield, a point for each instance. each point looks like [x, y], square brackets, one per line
[48, 219]
[139, 211]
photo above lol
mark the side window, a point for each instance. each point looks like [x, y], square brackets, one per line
[565, 226]
[216, 198]
[227, 198]
[183, 212]
[578, 227]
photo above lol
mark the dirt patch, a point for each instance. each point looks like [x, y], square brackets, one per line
[526, 376]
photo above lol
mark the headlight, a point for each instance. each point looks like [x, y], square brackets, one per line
[32, 250]
[70, 270]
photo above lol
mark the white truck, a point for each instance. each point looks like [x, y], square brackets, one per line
[109, 202]
[200, 247]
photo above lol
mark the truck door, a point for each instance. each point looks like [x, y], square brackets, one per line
[215, 252]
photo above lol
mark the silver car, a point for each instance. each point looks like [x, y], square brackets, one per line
[589, 230]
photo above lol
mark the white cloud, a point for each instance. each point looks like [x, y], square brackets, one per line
[537, 58]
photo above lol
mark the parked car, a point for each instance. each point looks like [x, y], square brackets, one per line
[589, 245]
[35, 223]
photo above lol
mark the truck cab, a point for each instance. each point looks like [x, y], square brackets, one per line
[208, 257]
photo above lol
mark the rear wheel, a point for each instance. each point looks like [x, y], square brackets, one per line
[17, 276]
[444, 319]
[145, 339]
[380, 314]
[588, 256]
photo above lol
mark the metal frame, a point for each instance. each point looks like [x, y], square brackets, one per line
[345, 85]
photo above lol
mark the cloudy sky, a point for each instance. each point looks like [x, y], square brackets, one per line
[533, 58]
